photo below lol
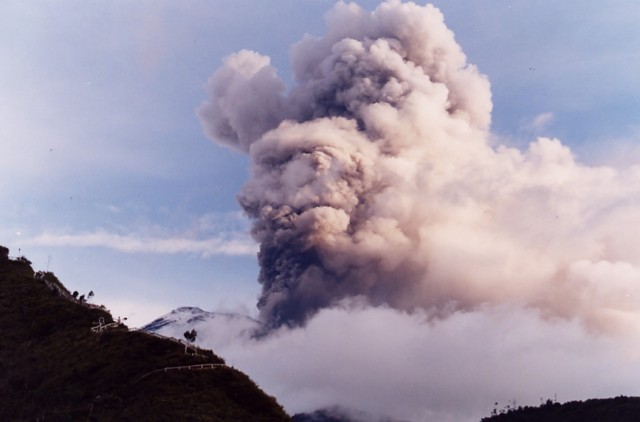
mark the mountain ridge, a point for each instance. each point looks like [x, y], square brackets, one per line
[616, 409]
[65, 360]
[192, 314]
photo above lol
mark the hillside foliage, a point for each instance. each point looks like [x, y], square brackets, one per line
[618, 409]
[53, 367]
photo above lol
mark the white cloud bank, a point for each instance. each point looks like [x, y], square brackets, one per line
[410, 367]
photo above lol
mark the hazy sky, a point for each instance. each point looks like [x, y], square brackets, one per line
[107, 179]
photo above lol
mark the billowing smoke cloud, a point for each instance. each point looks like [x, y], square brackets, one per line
[374, 177]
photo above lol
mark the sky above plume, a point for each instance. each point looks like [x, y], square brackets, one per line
[458, 196]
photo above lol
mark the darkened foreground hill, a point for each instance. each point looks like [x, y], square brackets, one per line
[54, 367]
[619, 409]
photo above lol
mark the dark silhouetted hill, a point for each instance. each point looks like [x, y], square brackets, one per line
[54, 368]
[619, 409]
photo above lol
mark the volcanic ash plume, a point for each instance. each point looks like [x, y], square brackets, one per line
[373, 177]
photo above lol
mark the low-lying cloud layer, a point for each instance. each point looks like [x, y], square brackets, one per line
[402, 365]
[374, 177]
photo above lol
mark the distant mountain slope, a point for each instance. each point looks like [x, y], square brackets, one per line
[212, 327]
[337, 414]
[189, 316]
[619, 409]
[54, 368]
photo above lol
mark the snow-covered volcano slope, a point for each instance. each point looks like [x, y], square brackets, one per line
[213, 328]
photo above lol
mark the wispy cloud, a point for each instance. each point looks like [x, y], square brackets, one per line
[540, 122]
[233, 244]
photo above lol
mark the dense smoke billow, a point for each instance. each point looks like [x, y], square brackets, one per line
[374, 178]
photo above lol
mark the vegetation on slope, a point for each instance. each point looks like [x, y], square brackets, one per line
[54, 368]
[618, 409]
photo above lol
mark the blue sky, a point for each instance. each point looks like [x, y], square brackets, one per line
[107, 179]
